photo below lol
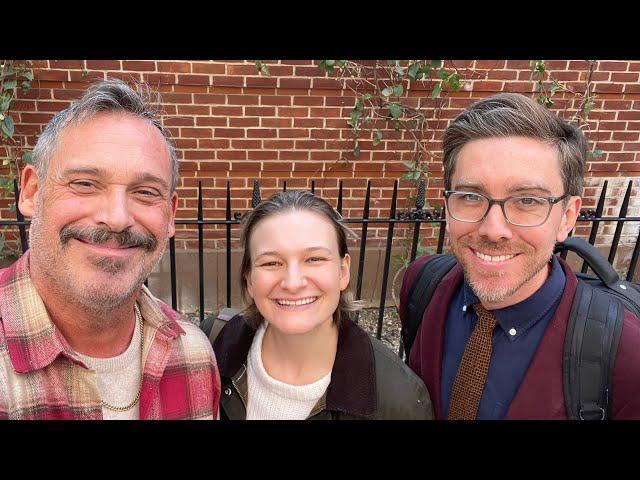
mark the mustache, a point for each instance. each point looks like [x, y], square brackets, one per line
[124, 239]
[500, 248]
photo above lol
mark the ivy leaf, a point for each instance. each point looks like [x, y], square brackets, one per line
[436, 91]
[413, 70]
[400, 71]
[262, 68]
[395, 109]
[409, 165]
[8, 126]
[386, 92]
[10, 84]
[25, 86]
[377, 138]
[595, 153]
[356, 150]
[28, 75]
[436, 63]
[367, 96]
[397, 90]
[27, 157]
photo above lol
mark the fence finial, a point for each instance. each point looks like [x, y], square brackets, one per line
[255, 197]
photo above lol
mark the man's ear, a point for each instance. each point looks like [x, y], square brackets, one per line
[569, 217]
[172, 215]
[29, 191]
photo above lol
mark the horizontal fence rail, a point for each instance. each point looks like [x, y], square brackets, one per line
[416, 217]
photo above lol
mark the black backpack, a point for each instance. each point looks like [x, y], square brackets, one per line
[593, 330]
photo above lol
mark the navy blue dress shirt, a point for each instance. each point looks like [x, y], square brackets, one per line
[515, 341]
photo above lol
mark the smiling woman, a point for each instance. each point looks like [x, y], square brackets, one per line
[295, 353]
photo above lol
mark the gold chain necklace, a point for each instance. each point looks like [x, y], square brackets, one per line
[132, 404]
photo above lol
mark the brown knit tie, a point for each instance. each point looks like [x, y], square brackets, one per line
[472, 372]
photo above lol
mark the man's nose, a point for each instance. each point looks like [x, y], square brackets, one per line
[494, 226]
[114, 211]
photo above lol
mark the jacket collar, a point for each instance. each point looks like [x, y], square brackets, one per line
[32, 340]
[352, 388]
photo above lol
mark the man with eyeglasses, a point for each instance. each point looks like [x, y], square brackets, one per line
[490, 343]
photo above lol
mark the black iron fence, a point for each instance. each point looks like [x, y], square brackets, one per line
[416, 217]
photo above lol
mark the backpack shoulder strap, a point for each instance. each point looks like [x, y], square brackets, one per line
[420, 294]
[591, 343]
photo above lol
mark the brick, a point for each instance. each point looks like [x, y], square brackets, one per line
[301, 83]
[242, 99]
[505, 75]
[261, 82]
[139, 66]
[613, 66]
[308, 72]
[217, 143]
[293, 133]
[67, 64]
[59, 75]
[158, 78]
[244, 122]
[180, 121]
[215, 166]
[603, 167]
[197, 132]
[624, 77]
[232, 155]
[268, 155]
[278, 144]
[498, 64]
[174, 67]
[626, 136]
[331, 156]
[177, 98]
[276, 122]
[293, 155]
[195, 80]
[199, 154]
[245, 166]
[327, 112]
[608, 88]
[212, 121]
[211, 68]
[274, 100]
[630, 115]
[209, 98]
[277, 166]
[633, 147]
[186, 143]
[43, 106]
[487, 86]
[280, 71]
[310, 145]
[632, 88]
[40, 118]
[67, 94]
[227, 111]
[260, 111]
[229, 132]
[308, 101]
[261, 133]
[613, 125]
[340, 101]
[308, 166]
[193, 110]
[293, 112]
[309, 123]
[104, 65]
[227, 81]
[324, 134]
[246, 144]
[328, 83]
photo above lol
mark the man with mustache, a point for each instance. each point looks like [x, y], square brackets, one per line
[81, 336]
[490, 344]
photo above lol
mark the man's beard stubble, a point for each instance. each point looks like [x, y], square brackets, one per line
[97, 299]
[494, 295]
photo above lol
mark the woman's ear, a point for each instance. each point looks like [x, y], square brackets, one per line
[29, 190]
[345, 271]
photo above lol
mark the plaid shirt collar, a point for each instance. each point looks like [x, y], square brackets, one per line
[32, 340]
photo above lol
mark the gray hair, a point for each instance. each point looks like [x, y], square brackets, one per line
[514, 115]
[103, 97]
[293, 200]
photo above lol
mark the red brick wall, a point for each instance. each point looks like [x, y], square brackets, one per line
[232, 124]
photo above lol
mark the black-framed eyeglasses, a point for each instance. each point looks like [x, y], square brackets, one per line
[518, 210]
